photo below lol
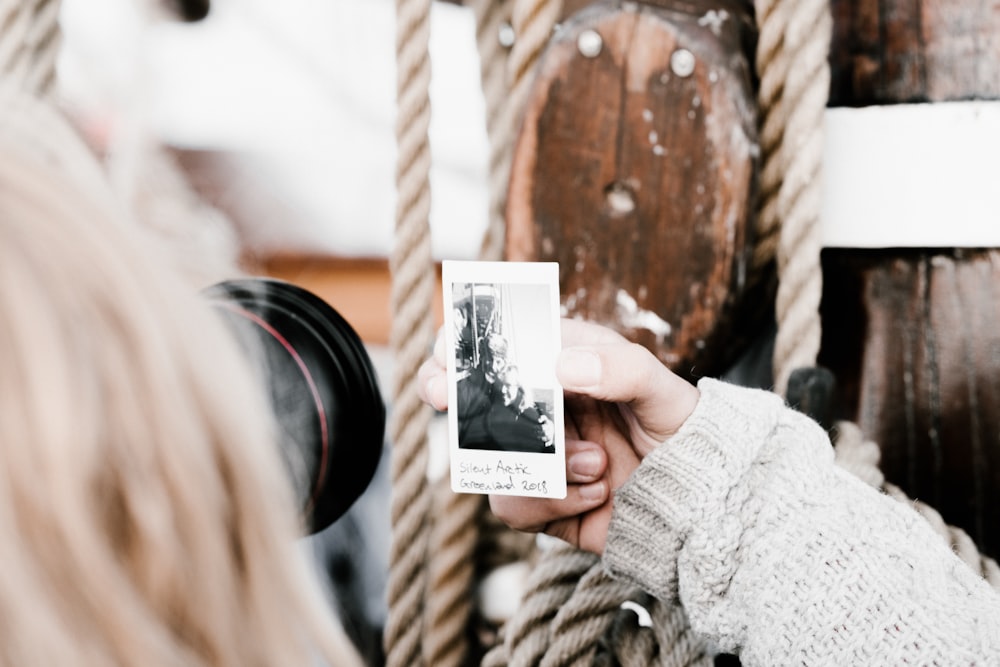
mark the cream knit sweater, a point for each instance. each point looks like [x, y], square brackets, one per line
[782, 557]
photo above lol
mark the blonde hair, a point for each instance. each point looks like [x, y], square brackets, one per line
[145, 517]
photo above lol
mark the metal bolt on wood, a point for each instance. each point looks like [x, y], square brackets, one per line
[682, 63]
[589, 43]
[505, 35]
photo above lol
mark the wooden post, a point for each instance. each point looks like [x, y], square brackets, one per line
[636, 170]
[892, 51]
[914, 335]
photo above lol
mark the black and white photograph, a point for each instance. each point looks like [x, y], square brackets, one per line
[503, 324]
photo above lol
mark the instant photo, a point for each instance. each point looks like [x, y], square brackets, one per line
[505, 421]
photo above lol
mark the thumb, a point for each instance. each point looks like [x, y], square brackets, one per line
[629, 374]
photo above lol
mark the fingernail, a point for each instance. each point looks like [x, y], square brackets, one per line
[594, 491]
[578, 368]
[585, 463]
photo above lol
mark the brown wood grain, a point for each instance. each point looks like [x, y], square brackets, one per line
[925, 382]
[893, 51]
[639, 181]
[913, 334]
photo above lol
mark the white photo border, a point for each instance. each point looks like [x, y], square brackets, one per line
[519, 473]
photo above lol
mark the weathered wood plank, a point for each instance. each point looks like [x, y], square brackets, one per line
[913, 335]
[925, 382]
[638, 178]
[893, 51]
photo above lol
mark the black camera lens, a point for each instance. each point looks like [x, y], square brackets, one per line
[322, 387]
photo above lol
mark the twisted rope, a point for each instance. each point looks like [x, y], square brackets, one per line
[491, 17]
[679, 646]
[454, 539]
[29, 44]
[526, 637]
[532, 22]
[584, 619]
[792, 59]
[572, 607]
[411, 297]
[457, 517]
[451, 572]
[455, 534]
[861, 457]
[561, 622]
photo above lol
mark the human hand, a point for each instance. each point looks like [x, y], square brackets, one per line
[620, 404]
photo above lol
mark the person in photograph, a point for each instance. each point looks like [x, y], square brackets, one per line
[478, 391]
[517, 422]
[465, 343]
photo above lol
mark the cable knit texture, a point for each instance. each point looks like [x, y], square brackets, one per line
[782, 557]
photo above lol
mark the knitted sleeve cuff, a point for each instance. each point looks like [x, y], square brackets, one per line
[686, 482]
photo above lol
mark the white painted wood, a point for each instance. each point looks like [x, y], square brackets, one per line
[914, 175]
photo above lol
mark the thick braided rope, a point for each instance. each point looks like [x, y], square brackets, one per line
[668, 641]
[585, 618]
[527, 636]
[491, 17]
[451, 572]
[633, 645]
[792, 60]
[861, 457]
[679, 646]
[455, 533]
[456, 517]
[532, 22]
[454, 540]
[411, 298]
[572, 604]
[29, 44]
